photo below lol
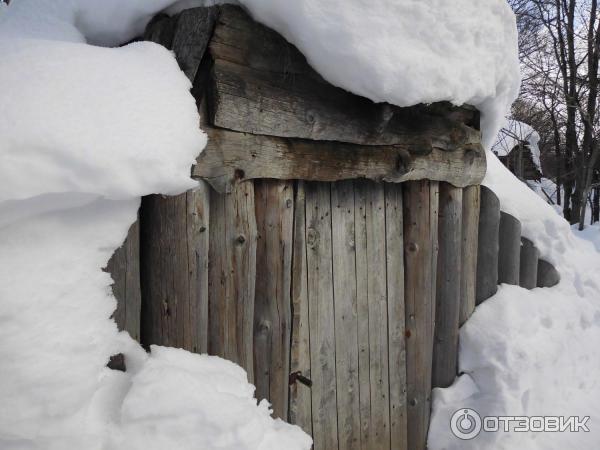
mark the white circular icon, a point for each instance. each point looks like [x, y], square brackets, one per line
[465, 424]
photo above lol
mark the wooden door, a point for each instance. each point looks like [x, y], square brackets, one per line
[348, 332]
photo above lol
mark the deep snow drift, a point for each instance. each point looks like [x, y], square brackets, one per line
[86, 131]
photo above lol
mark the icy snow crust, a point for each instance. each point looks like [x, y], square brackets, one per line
[84, 132]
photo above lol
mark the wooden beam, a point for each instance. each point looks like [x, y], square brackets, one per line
[300, 394]
[230, 155]
[263, 85]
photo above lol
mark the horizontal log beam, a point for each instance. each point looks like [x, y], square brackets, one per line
[261, 84]
[230, 155]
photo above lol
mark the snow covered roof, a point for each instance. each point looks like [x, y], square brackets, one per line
[516, 132]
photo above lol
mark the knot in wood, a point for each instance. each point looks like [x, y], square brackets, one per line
[413, 402]
[288, 203]
[413, 247]
[241, 239]
[202, 229]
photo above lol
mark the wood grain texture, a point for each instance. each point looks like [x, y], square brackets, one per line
[470, 239]
[230, 155]
[394, 236]
[321, 315]
[488, 245]
[420, 250]
[232, 275]
[362, 305]
[530, 256]
[274, 202]
[124, 268]
[300, 395]
[448, 289]
[378, 330]
[547, 275]
[509, 254]
[164, 271]
[346, 319]
[198, 223]
[193, 30]
[263, 85]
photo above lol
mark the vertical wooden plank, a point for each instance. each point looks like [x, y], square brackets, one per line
[394, 235]
[198, 205]
[448, 289]
[362, 306]
[322, 323]
[240, 226]
[487, 247]
[217, 275]
[346, 326]
[420, 244]
[509, 253]
[378, 332]
[530, 256]
[164, 271]
[124, 268]
[133, 293]
[272, 314]
[470, 235]
[300, 395]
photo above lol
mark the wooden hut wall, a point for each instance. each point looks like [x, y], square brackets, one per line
[331, 248]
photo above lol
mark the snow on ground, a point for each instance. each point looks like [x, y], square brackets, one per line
[85, 131]
[532, 352]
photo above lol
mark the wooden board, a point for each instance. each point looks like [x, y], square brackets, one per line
[547, 275]
[198, 223]
[470, 236]
[274, 201]
[395, 312]
[530, 256]
[232, 275]
[420, 249]
[509, 254]
[300, 395]
[488, 245]
[193, 30]
[378, 332]
[174, 270]
[321, 315]
[263, 85]
[346, 319]
[448, 289]
[232, 156]
[124, 268]
[164, 272]
[362, 305]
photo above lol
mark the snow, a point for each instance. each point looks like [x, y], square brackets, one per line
[531, 353]
[86, 131]
[408, 51]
